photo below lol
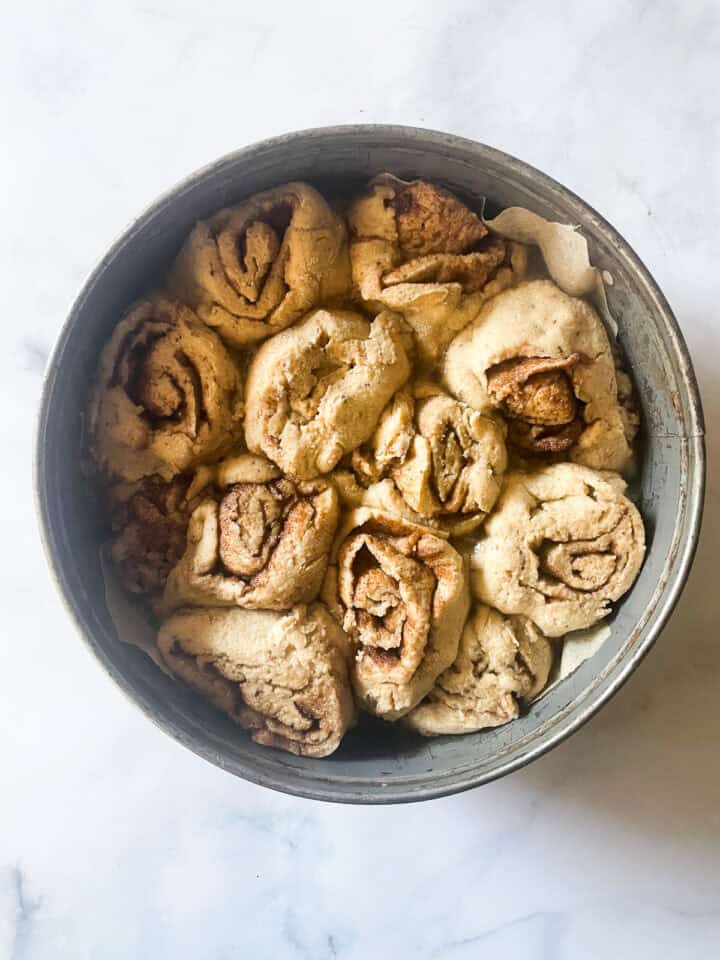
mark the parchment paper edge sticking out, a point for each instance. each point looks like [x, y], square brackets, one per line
[565, 252]
[129, 617]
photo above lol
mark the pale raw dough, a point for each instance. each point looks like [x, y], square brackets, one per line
[258, 545]
[316, 391]
[254, 269]
[417, 249]
[433, 460]
[167, 395]
[283, 677]
[400, 593]
[562, 543]
[501, 661]
[533, 321]
[390, 442]
[234, 468]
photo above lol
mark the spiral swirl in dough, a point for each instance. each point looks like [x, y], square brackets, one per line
[417, 249]
[433, 460]
[167, 395]
[261, 544]
[400, 593]
[543, 359]
[282, 677]
[502, 661]
[316, 391]
[254, 269]
[562, 544]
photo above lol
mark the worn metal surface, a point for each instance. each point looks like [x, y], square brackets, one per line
[397, 766]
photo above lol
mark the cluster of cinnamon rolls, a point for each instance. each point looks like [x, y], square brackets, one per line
[367, 459]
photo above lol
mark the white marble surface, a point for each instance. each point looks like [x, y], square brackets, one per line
[117, 843]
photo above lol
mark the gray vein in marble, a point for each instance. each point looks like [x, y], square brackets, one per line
[329, 947]
[25, 909]
[545, 929]
[631, 186]
[290, 832]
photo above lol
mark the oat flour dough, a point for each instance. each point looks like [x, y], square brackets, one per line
[502, 661]
[544, 361]
[400, 593]
[417, 249]
[254, 269]
[260, 545]
[167, 394]
[283, 677]
[433, 460]
[562, 544]
[316, 391]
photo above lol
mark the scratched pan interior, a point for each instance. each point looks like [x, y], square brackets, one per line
[378, 763]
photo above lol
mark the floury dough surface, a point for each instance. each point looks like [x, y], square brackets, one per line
[254, 269]
[282, 676]
[501, 661]
[562, 544]
[167, 395]
[533, 321]
[432, 459]
[400, 593]
[260, 545]
[417, 249]
[316, 391]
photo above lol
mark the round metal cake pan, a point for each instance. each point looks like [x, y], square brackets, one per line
[378, 764]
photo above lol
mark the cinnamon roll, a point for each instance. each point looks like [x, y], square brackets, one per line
[433, 460]
[400, 593]
[316, 391]
[282, 677]
[544, 361]
[254, 269]
[416, 248]
[167, 395]
[257, 544]
[562, 544]
[502, 662]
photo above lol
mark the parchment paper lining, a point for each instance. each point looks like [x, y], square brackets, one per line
[129, 616]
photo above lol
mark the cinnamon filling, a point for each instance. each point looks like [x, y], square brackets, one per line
[247, 256]
[430, 219]
[448, 460]
[251, 520]
[379, 609]
[152, 527]
[540, 440]
[472, 270]
[536, 394]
